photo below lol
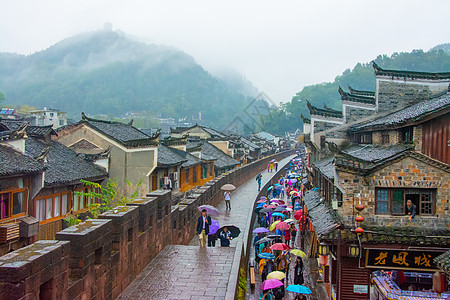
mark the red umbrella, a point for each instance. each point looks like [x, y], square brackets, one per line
[282, 226]
[298, 214]
[280, 246]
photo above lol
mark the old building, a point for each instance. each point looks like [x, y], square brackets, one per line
[133, 154]
[385, 160]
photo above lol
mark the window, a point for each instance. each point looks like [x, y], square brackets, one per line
[211, 166]
[406, 135]
[393, 201]
[364, 138]
[52, 207]
[187, 175]
[385, 138]
[194, 175]
[13, 203]
[81, 202]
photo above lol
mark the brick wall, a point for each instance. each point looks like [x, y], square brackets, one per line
[353, 114]
[392, 95]
[99, 258]
[394, 137]
[405, 173]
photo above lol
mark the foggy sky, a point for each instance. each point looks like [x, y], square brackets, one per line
[280, 46]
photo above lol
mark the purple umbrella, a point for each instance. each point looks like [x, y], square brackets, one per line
[293, 180]
[271, 284]
[210, 210]
[260, 230]
[213, 227]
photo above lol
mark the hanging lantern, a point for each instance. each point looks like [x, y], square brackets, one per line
[323, 260]
[438, 282]
[359, 219]
[323, 249]
[353, 250]
[359, 207]
[359, 230]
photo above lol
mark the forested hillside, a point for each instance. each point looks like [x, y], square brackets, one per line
[361, 77]
[105, 72]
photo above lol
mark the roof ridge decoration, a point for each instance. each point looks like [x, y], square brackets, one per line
[409, 74]
[305, 119]
[326, 112]
[360, 92]
[359, 98]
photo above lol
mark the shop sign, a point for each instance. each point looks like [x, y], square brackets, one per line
[401, 259]
[360, 289]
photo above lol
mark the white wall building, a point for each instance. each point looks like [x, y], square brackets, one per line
[48, 116]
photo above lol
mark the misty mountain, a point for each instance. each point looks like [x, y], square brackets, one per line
[361, 77]
[105, 72]
[444, 47]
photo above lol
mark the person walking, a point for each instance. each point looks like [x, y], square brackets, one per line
[282, 264]
[293, 234]
[259, 178]
[203, 223]
[227, 195]
[276, 166]
[298, 271]
[211, 240]
[225, 238]
[287, 236]
[271, 167]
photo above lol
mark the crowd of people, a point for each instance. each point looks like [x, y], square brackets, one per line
[282, 218]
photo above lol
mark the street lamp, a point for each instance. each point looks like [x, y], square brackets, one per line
[323, 249]
[353, 250]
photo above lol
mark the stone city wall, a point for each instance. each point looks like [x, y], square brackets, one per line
[98, 259]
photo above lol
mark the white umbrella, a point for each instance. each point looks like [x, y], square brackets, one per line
[228, 187]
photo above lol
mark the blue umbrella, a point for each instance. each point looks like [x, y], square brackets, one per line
[278, 187]
[277, 214]
[270, 187]
[260, 204]
[299, 289]
[266, 255]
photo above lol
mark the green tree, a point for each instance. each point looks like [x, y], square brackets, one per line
[2, 97]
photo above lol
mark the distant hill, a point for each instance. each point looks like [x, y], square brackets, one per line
[105, 72]
[361, 77]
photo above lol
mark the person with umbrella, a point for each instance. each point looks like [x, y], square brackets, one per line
[212, 233]
[225, 237]
[203, 223]
[227, 195]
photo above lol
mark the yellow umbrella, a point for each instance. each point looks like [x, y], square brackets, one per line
[276, 275]
[293, 192]
[290, 221]
[298, 252]
[272, 227]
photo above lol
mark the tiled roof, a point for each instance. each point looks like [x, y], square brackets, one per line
[125, 134]
[16, 163]
[356, 97]
[443, 262]
[11, 124]
[325, 112]
[412, 113]
[83, 144]
[35, 131]
[360, 93]
[168, 157]
[250, 144]
[324, 219]
[211, 152]
[63, 166]
[326, 167]
[409, 74]
[305, 120]
[191, 160]
[213, 132]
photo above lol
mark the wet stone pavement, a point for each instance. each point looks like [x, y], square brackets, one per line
[191, 272]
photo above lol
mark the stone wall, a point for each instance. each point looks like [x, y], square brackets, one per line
[408, 172]
[98, 259]
[393, 95]
[353, 114]
[320, 126]
[394, 137]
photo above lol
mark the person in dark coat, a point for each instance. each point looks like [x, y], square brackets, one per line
[279, 293]
[203, 223]
[298, 271]
[212, 240]
[225, 238]
[264, 273]
[411, 209]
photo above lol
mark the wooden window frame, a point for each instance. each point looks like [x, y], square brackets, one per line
[10, 206]
[187, 175]
[390, 200]
[385, 138]
[70, 200]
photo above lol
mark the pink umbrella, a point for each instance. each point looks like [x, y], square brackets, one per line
[271, 206]
[261, 201]
[271, 284]
[275, 200]
[280, 246]
[289, 209]
[282, 226]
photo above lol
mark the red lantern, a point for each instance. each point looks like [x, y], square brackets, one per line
[359, 230]
[323, 260]
[359, 219]
[359, 207]
[439, 282]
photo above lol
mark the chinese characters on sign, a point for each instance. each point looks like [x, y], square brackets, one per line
[401, 259]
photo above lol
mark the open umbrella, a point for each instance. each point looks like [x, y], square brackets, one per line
[272, 227]
[262, 201]
[263, 197]
[263, 240]
[292, 193]
[271, 284]
[258, 209]
[260, 230]
[235, 231]
[278, 214]
[271, 206]
[277, 275]
[210, 210]
[280, 246]
[273, 160]
[293, 180]
[280, 209]
[213, 227]
[298, 214]
[299, 289]
[260, 204]
[290, 221]
[273, 236]
[228, 187]
[298, 252]
[270, 187]
[266, 255]
[266, 210]
[282, 226]
[275, 200]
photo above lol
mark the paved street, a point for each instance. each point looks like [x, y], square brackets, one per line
[188, 272]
